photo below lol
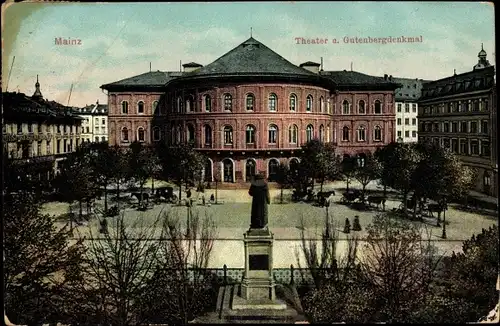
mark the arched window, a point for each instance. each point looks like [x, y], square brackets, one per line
[208, 136]
[102, 139]
[378, 107]
[309, 103]
[180, 107]
[377, 133]
[321, 104]
[189, 104]
[250, 102]
[361, 133]
[273, 134]
[228, 170]
[124, 107]
[293, 102]
[322, 133]
[249, 169]
[328, 108]
[156, 134]
[228, 102]
[124, 134]
[208, 170]
[273, 102]
[294, 164]
[250, 134]
[309, 133]
[328, 133]
[190, 134]
[140, 107]
[346, 107]
[345, 133]
[140, 134]
[208, 103]
[273, 169]
[486, 179]
[361, 107]
[178, 134]
[155, 108]
[228, 135]
[293, 133]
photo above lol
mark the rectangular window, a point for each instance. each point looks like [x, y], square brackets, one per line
[446, 143]
[103, 121]
[30, 127]
[399, 134]
[446, 127]
[58, 147]
[463, 147]
[485, 148]
[407, 121]
[414, 121]
[414, 106]
[454, 145]
[39, 148]
[88, 129]
[407, 134]
[399, 107]
[484, 127]
[474, 147]
[463, 126]
[49, 151]
[454, 127]
[473, 127]
[414, 134]
[65, 144]
[399, 121]
[407, 107]
[436, 127]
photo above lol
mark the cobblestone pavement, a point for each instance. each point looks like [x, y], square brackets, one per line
[233, 217]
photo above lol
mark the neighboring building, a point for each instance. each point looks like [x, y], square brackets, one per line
[37, 132]
[95, 122]
[459, 112]
[407, 108]
[251, 109]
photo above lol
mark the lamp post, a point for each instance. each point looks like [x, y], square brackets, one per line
[216, 185]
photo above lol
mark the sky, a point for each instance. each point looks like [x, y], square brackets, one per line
[120, 40]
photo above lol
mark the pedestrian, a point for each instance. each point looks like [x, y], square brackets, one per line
[203, 199]
[212, 198]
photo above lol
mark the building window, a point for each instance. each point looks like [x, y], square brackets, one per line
[345, 107]
[446, 143]
[487, 179]
[377, 133]
[414, 108]
[473, 127]
[399, 134]
[124, 107]
[361, 133]
[399, 121]
[140, 134]
[378, 107]
[484, 127]
[485, 148]
[39, 127]
[399, 107]
[463, 126]
[436, 127]
[475, 106]
[58, 147]
[124, 134]
[474, 147]
[189, 104]
[30, 127]
[414, 121]
[49, 151]
[87, 129]
[103, 139]
[407, 121]
[190, 134]
[208, 135]
[293, 132]
[321, 133]
[228, 135]
[345, 133]
[446, 127]
[407, 134]
[309, 103]
[208, 103]
[250, 135]
[250, 102]
[273, 170]
[140, 107]
[414, 134]
[273, 134]
[407, 107]
[155, 109]
[156, 134]
[463, 146]
[103, 121]
[228, 102]
[454, 145]
[96, 139]
[449, 107]
[293, 102]
[361, 107]
[454, 127]
[309, 133]
[19, 128]
[322, 104]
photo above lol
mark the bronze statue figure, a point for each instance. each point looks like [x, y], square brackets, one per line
[260, 193]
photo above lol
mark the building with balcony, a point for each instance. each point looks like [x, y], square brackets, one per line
[407, 108]
[94, 123]
[251, 109]
[459, 113]
[38, 133]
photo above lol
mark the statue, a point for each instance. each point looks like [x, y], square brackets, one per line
[260, 193]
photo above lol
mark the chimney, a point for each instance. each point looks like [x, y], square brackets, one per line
[192, 66]
[385, 76]
[311, 66]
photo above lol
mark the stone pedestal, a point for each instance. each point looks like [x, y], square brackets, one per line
[258, 282]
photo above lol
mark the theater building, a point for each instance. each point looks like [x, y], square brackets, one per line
[459, 113]
[251, 109]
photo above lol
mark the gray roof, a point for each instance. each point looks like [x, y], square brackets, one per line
[310, 63]
[411, 89]
[250, 57]
[355, 78]
[151, 79]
